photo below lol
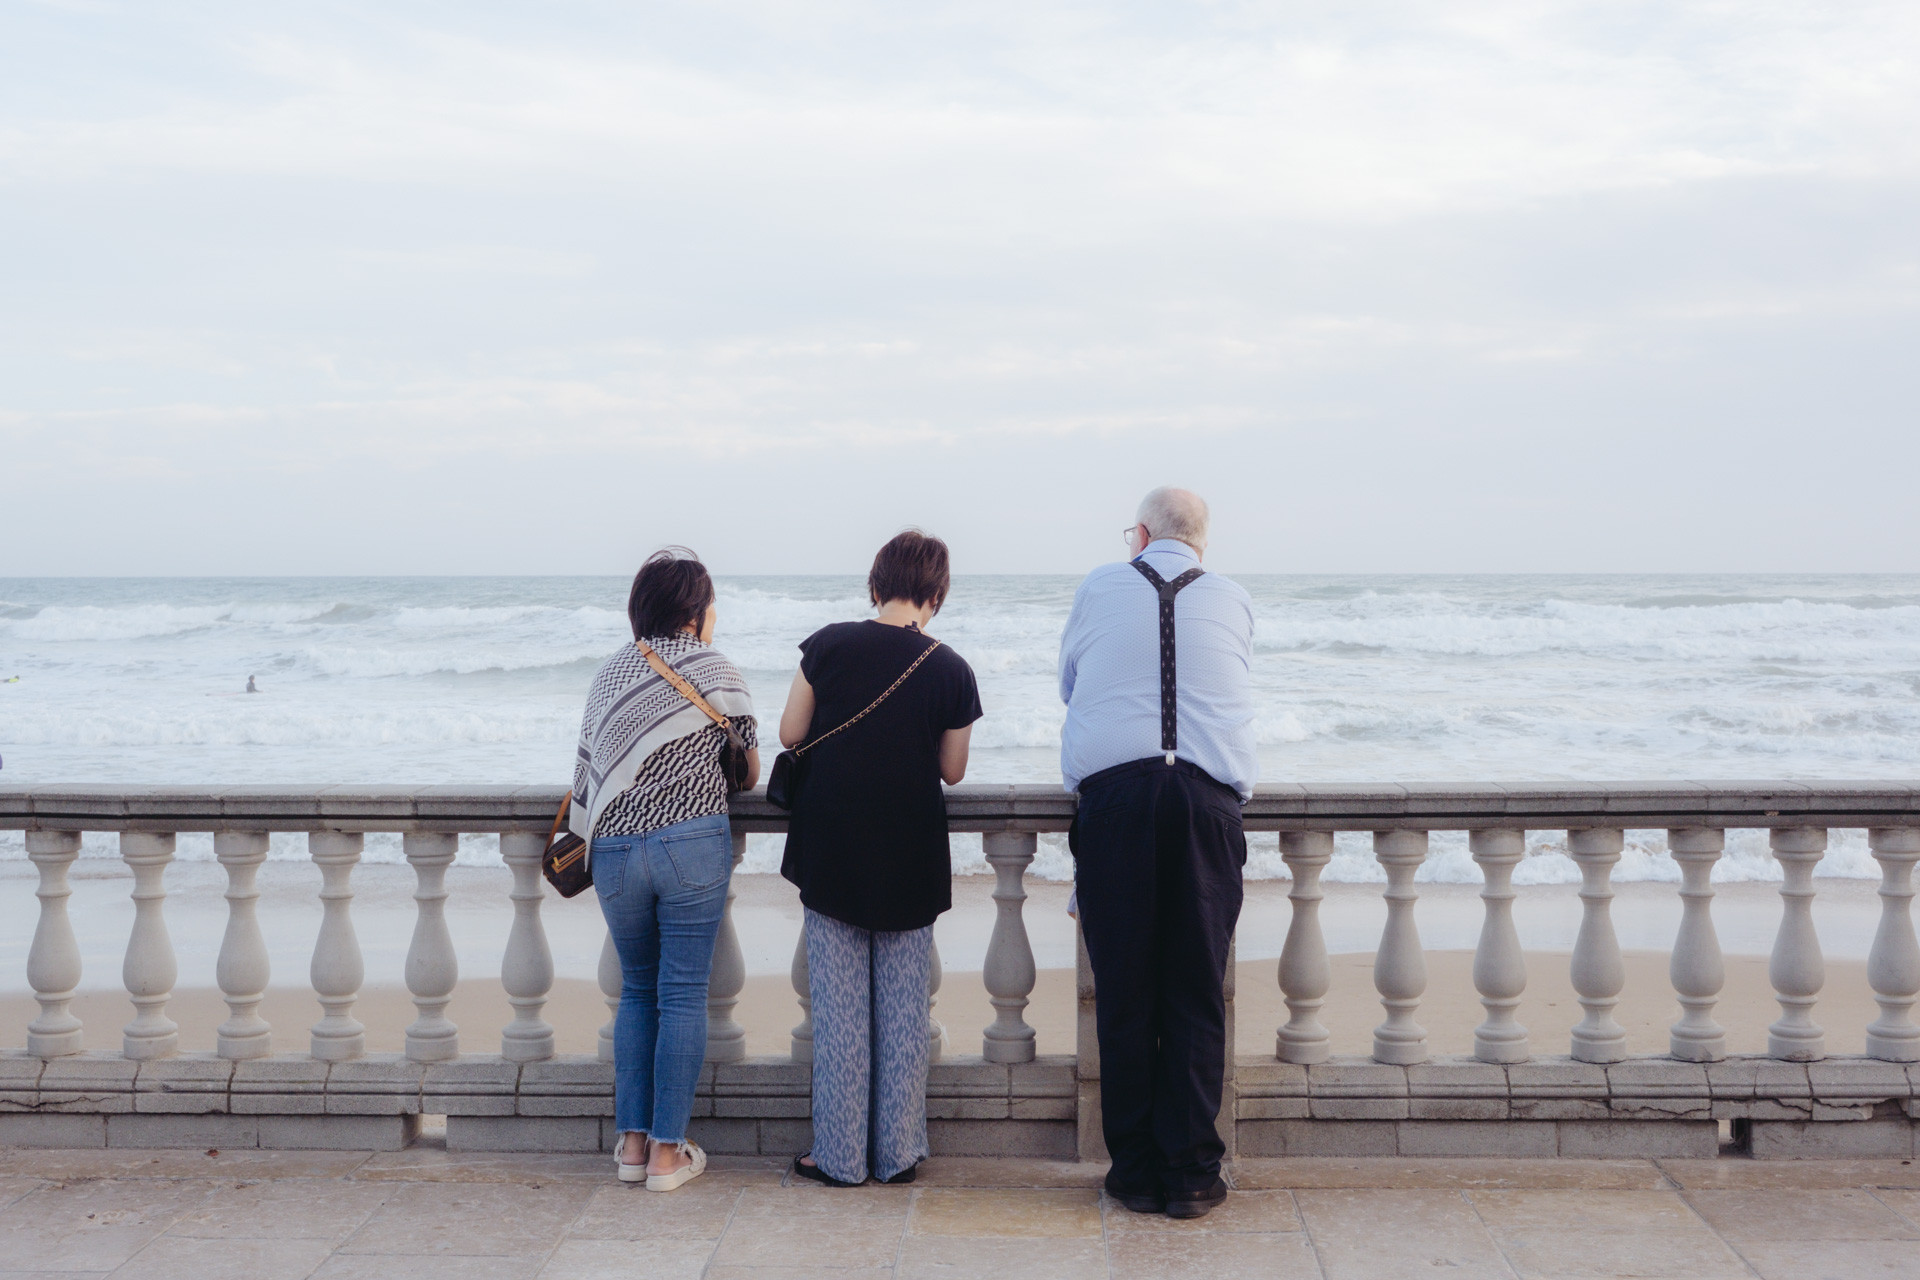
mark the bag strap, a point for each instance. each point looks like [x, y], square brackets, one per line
[1169, 695]
[665, 671]
[808, 746]
[559, 818]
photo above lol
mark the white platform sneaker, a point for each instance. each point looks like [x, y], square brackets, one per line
[682, 1176]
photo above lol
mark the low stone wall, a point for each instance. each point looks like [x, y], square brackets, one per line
[1851, 1107]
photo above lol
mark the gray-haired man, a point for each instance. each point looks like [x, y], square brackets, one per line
[1155, 669]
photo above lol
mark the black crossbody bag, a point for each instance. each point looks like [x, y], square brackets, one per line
[790, 766]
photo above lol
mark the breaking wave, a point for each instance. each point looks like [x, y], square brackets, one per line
[381, 680]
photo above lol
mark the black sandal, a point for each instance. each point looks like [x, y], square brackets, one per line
[819, 1175]
[905, 1175]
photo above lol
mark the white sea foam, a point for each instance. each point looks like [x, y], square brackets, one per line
[92, 622]
[444, 680]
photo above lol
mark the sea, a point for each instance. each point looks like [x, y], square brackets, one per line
[1356, 678]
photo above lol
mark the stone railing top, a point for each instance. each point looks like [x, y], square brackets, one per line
[989, 807]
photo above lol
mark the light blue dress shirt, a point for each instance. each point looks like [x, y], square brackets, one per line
[1110, 671]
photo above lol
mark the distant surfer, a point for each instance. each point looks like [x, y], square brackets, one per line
[251, 686]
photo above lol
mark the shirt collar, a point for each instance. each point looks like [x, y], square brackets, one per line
[1171, 547]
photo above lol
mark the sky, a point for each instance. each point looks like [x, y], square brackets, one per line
[1479, 286]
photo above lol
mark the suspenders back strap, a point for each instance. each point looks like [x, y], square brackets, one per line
[1169, 697]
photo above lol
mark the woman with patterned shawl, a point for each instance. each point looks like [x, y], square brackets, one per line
[650, 799]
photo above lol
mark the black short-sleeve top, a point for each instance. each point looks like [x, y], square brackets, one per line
[867, 837]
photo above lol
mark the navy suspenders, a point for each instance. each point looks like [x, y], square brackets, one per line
[1169, 699]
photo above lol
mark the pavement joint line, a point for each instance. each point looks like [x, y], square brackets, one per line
[566, 1233]
[906, 1229]
[726, 1228]
[1473, 1206]
[1732, 1248]
[1901, 1214]
[1106, 1241]
[1313, 1246]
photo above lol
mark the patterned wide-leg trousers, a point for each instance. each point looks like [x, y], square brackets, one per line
[871, 1022]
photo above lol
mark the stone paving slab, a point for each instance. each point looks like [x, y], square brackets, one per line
[428, 1214]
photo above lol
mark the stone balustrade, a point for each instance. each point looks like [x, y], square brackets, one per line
[1519, 1093]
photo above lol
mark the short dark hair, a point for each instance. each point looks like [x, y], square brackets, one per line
[671, 590]
[912, 566]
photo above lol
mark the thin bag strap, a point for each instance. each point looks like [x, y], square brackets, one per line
[559, 818]
[808, 746]
[665, 671]
[1169, 693]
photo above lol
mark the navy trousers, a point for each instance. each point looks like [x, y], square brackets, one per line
[1158, 852]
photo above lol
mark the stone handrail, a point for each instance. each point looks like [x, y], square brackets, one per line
[1300, 1099]
[1436, 806]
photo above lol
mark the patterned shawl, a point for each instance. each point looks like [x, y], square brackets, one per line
[631, 713]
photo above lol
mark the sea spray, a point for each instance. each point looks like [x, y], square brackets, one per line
[479, 680]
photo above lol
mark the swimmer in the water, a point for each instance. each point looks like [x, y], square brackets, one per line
[251, 687]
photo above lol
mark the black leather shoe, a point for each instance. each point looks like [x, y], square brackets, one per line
[814, 1173]
[1197, 1204]
[1138, 1201]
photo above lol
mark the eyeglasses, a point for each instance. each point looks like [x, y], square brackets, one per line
[1126, 535]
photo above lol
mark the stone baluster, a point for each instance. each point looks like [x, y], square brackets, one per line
[936, 1033]
[801, 1049]
[433, 969]
[1797, 969]
[611, 984]
[1599, 971]
[1499, 966]
[53, 961]
[1893, 965]
[149, 970]
[337, 969]
[727, 1039]
[1009, 971]
[243, 969]
[1696, 968]
[1305, 974]
[526, 968]
[1400, 967]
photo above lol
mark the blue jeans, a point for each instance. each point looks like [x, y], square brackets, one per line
[662, 894]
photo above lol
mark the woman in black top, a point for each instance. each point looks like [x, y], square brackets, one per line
[867, 846]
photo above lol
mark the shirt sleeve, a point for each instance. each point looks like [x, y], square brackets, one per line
[748, 727]
[966, 706]
[1071, 642]
[812, 651]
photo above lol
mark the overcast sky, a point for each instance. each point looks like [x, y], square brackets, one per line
[468, 288]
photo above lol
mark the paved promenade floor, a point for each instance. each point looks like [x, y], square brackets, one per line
[423, 1214]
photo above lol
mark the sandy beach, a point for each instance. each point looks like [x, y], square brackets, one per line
[768, 1010]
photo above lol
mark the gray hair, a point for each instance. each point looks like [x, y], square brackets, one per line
[1175, 513]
